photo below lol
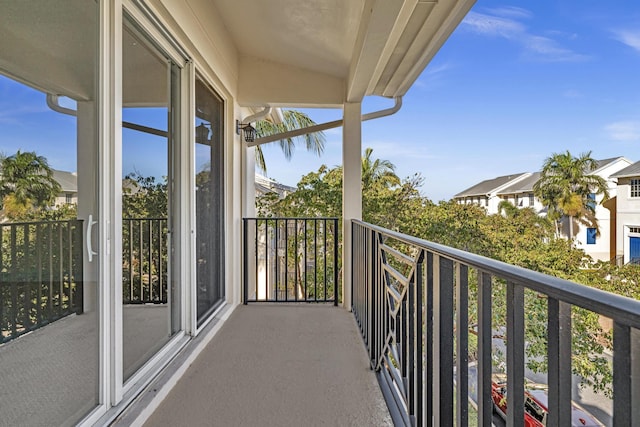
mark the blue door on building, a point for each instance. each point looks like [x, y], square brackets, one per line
[634, 250]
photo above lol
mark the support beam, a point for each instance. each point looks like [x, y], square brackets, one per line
[351, 188]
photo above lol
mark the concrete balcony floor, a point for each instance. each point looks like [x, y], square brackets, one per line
[279, 365]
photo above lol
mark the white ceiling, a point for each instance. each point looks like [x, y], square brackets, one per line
[290, 52]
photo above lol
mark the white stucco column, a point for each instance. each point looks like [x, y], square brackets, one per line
[248, 194]
[351, 188]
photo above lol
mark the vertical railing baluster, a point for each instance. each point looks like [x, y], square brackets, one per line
[245, 261]
[141, 258]
[39, 273]
[418, 337]
[559, 356]
[622, 374]
[13, 280]
[411, 340]
[2, 286]
[130, 223]
[70, 267]
[286, 259]
[276, 260]
[79, 271]
[257, 248]
[443, 341]
[150, 259]
[306, 243]
[515, 354]
[60, 253]
[462, 345]
[485, 332]
[315, 260]
[161, 282]
[27, 278]
[296, 283]
[50, 286]
[324, 250]
[429, 352]
[266, 258]
[336, 289]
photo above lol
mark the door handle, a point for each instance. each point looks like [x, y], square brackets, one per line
[90, 251]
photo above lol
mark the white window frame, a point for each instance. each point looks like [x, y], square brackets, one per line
[634, 188]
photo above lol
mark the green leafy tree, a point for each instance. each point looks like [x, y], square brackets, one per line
[565, 185]
[291, 120]
[27, 183]
[144, 197]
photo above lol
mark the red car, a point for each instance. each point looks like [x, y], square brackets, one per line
[535, 404]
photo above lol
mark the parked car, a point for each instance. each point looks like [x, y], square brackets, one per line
[536, 404]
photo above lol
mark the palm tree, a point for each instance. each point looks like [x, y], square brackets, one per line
[378, 171]
[292, 119]
[565, 186]
[26, 181]
[508, 209]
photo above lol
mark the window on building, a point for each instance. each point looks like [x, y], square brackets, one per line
[68, 198]
[531, 199]
[635, 187]
[591, 204]
[591, 236]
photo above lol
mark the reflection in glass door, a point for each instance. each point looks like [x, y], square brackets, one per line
[209, 157]
[49, 293]
[150, 314]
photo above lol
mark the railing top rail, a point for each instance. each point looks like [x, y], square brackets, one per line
[618, 307]
[142, 218]
[21, 223]
[317, 218]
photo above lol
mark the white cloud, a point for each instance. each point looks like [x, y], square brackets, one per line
[492, 25]
[504, 23]
[624, 131]
[511, 12]
[628, 37]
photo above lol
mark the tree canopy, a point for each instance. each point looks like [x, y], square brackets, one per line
[26, 183]
[517, 236]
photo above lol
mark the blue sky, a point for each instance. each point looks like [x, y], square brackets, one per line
[516, 82]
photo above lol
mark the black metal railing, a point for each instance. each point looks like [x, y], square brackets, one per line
[40, 274]
[411, 301]
[144, 260]
[291, 260]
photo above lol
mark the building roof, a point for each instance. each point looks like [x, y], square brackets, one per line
[629, 171]
[523, 186]
[491, 185]
[266, 185]
[67, 180]
[601, 164]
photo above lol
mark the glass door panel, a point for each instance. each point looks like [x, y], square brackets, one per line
[150, 314]
[49, 319]
[209, 200]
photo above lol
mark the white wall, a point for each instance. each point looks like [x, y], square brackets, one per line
[628, 216]
[601, 249]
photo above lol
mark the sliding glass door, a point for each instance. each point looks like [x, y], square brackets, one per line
[209, 181]
[150, 294]
[49, 170]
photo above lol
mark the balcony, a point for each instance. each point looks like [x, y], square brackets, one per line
[421, 338]
[413, 301]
